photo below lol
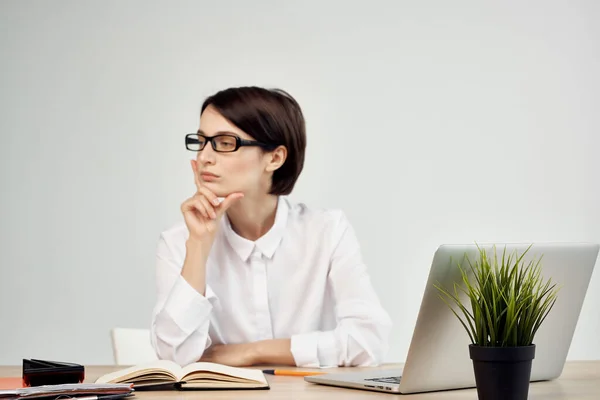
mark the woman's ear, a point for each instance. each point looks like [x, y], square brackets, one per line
[276, 158]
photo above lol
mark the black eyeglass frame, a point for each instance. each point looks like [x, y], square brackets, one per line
[239, 142]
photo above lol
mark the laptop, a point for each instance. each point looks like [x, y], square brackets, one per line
[438, 357]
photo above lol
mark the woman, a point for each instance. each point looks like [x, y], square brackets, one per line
[250, 277]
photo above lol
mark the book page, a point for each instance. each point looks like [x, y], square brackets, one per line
[168, 369]
[244, 373]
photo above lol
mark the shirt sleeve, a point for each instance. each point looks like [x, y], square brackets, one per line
[360, 337]
[181, 316]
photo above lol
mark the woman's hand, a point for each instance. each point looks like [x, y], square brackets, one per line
[235, 355]
[270, 351]
[203, 211]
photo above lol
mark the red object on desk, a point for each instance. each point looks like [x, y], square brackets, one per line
[11, 383]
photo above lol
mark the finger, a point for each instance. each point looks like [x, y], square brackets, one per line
[209, 209]
[194, 204]
[194, 164]
[188, 205]
[201, 205]
[229, 201]
[212, 198]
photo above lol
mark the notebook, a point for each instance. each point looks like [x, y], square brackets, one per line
[165, 375]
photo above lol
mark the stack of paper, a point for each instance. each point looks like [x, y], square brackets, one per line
[70, 390]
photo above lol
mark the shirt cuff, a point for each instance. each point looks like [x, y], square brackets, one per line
[188, 308]
[327, 350]
[304, 349]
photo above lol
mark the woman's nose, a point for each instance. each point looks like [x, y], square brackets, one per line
[207, 154]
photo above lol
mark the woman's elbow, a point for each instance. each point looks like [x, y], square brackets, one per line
[164, 349]
[182, 354]
[180, 349]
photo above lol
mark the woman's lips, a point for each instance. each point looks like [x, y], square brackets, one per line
[208, 177]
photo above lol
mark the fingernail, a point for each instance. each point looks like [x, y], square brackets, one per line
[216, 202]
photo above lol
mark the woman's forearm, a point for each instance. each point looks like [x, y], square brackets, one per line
[194, 265]
[274, 352]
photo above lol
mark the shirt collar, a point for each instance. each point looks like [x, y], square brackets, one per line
[266, 244]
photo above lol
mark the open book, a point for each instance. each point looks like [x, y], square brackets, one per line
[165, 374]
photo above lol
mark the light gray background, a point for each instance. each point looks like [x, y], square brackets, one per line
[429, 122]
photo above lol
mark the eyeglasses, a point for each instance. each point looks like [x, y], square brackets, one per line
[223, 143]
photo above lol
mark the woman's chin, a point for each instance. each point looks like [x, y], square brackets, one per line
[221, 190]
[217, 189]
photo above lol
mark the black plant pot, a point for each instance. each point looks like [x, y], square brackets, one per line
[502, 373]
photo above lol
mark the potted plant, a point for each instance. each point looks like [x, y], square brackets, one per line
[505, 302]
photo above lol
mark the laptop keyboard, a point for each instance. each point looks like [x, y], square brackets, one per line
[391, 379]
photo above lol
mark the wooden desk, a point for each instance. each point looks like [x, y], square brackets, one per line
[580, 381]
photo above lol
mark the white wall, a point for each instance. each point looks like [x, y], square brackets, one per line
[429, 122]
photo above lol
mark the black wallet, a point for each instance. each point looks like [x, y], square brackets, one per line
[42, 372]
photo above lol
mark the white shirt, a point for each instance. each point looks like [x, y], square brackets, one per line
[304, 279]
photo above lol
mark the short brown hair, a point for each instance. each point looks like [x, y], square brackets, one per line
[271, 116]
